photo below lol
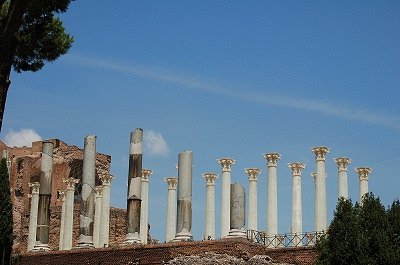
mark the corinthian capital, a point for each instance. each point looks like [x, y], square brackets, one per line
[253, 173]
[146, 174]
[272, 159]
[226, 163]
[342, 163]
[172, 182]
[320, 152]
[71, 182]
[363, 172]
[210, 178]
[296, 168]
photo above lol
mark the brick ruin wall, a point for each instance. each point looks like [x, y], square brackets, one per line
[67, 162]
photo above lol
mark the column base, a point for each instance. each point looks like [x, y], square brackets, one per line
[40, 247]
[85, 242]
[233, 233]
[182, 236]
[132, 238]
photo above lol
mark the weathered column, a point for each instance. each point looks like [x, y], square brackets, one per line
[363, 173]
[43, 222]
[98, 194]
[314, 176]
[210, 205]
[134, 188]
[87, 205]
[105, 209]
[252, 216]
[184, 206]
[238, 211]
[62, 227]
[69, 212]
[171, 209]
[272, 193]
[320, 155]
[33, 216]
[144, 210]
[226, 164]
[342, 163]
[297, 223]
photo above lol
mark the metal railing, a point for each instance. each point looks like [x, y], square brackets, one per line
[284, 240]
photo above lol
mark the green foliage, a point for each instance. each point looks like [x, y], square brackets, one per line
[6, 220]
[41, 36]
[366, 234]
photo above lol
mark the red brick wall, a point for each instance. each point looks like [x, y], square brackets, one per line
[159, 253]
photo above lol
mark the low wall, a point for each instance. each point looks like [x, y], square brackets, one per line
[160, 253]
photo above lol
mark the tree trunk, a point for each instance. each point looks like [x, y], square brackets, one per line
[8, 44]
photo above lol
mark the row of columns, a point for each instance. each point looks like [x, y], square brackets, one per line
[320, 217]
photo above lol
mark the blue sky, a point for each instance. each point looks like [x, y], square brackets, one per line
[226, 78]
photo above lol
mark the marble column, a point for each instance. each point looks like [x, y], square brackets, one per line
[33, 215]
[184, 205]
[105, 209]
[342, 163]
[171, 208]
[238, 211]
[88, 182]
[314, 176]
[297, 223]
[272, 193]
[62, 226]
[363, 173]
[252, 214]
[226, 164]
[43, 222]
[210, 205]
[69, 212]
[320, 155]
[98, 194]
[144, 209]
[134, 188]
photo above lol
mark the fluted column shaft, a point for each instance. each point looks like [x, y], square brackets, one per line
[134, 188]
[171, 209]
[272, 193]
[105, 209]
[184, 205]
[210, 206]
[252, 216]
[144, 210]
[62, 226]
[363, 173]
[226, 164]
[320, 155]
[33, 214]
[43, 222]
[69, 212]
[98, 193]
[297, 222]
[342, 163]
[86, 223]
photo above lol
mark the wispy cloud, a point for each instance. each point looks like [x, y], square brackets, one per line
[346, 112]
[154, 144]
[24, 137]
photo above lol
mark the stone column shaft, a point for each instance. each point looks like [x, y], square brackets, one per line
[297, 222]
[171, 209]
[86, 223]
[69, 213]
[134, 188]
[184, 205]
[320, 155]
[342, 163]
[43, 222]
[144, 213]
[238, 211]
[252, 216]
[210, 206]
[226, 164]
[314, 176]
[33, 215]
[62, 226]
[272, 193]
[105, 209]
[98, 194]
[363, 173]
